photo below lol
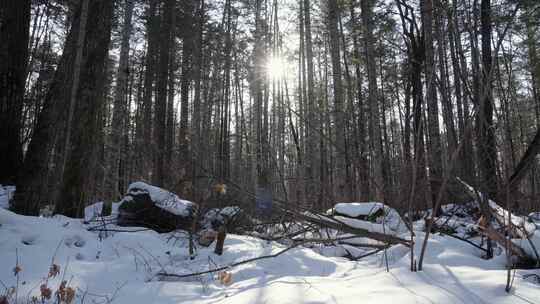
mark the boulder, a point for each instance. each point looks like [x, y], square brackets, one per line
[149, 206]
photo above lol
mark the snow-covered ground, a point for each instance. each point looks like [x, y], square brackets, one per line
[121, 267]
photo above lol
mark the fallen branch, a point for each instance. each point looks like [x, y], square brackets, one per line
[495, 235]
[296, 244]
[173, 275]
[368, 254]
[462, 239]
[341, 226]
[487, 229]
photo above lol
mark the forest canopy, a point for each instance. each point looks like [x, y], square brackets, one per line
[310, 102]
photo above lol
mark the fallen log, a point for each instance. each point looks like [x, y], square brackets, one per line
[486, 227]
[499, 238]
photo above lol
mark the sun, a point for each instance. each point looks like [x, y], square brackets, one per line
[275, 67]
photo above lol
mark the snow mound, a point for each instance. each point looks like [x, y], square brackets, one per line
[162, 198]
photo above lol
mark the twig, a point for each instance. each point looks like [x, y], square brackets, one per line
[116, 230]
[368, 254]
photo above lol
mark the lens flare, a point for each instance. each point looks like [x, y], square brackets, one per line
[275, 67]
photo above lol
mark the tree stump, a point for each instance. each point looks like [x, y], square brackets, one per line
[220, 240]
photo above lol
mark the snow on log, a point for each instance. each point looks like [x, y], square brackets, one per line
[232, 217]
[356, 210]
[162, 198]
[372, 215]
[150, 206]
[490, 210]
[525, 228]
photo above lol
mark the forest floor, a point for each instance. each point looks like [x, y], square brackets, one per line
[122, 267]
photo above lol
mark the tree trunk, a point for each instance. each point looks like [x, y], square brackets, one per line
[170, 125]
[534, 63]
[360, 137]
[14, 35]
[339, 121]
[487, 153]
[187, 70]
[313, 126]
[158, 172]
[120, 112]
[145, 144]
[434, 147]
[196, 127]
[373, 100]
[74, 192]
[444, 81]
[30, 185]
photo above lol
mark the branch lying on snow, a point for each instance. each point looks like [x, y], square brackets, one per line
[173, 275]
[368, 254]
[117, 230]
[462, 239]
[217, 269]
[359, 232]
[280, 236]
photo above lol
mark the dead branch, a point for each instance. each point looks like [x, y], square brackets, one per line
[294, 245]
[487, 229]
[340, 226]
[165, 274]
[462, 239]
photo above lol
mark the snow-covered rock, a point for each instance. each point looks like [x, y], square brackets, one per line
[155, 208]
[162, 198]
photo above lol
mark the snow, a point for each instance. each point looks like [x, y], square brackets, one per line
[358, 209]
[230, 211]
[534, 239]
[535, 217]
[164, 199]
[6, 193]
[517, 221]
[93, 211]
[502, 214]
[123, 268]
[347, 212]
[216, 217]
[360, 224]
